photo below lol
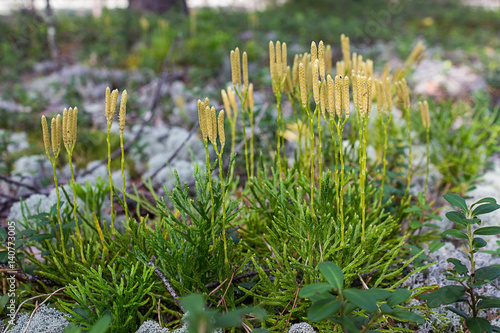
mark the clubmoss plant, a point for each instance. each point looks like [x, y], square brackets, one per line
[279, 70]
[123, 111]
[241, 89]
[404, 100]
[362, 89]
[109, 112]
[69, 122]
[384, 106]
[55, 143]
[426, 122]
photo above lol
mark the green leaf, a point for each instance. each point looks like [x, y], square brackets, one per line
[386, 308]
[488, 200]
[478, 325]
[102, 325]
[193, 303]
[332, 273]
[457, 311]
[478, 242]
[487, 231]
[457, 217]
[3, 235]
[398, 297]
[485, 209]
[435, 245]
[489, 302]
[455, 233]
[72, 329]
[488, 273]
[41, 237]
[323, 309]
[361, 299]
[378, 293]
[314, 289]
[444, 295]
[459, 267]
[456, 201]
[234, 318]
[260, 330]
[406, 315]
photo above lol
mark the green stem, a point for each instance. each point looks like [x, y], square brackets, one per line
[335, 174]
[78, 234]
[221, 177]
[384, 167]
[278, 134]
[427, 160]
[123, 179]
[110, 180]
[311, 160]
[340, 130]
[209, 176]
[319, 155]
[251, 143]
[408, 180]
[63, 247]
[363, 174]
[243, 105]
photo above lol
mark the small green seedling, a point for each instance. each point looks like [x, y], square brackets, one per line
[345, 306]
[469, 278]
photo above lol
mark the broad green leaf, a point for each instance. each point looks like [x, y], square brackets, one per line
[314, 289]
[435, 245]
[455, 233]
[72, 329]
[478, 242]
[459, 267]
[444, 295]
[233, 318]
[3, 235]
[194, 303]
[260, 330]
[485, 209]
[398, 297]
[487, 231]
[456, 201]
[488, 273]
[457, 311]
[378, 293]
[485, 200]
[406, 315]
[495, 329]
[332, 273]
[415, 224]
[457, 217]
[478, 325]
[102, 325]
[489, 302]
[361, 299]
[386, 308]
[412, 209]
[323, 309]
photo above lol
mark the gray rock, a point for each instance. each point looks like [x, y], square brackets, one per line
[34, 165]
[436, 77]
[45, 320]
[166, 176]
[301, 328]
[16, 141]
[178, 136]
[150, 326]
